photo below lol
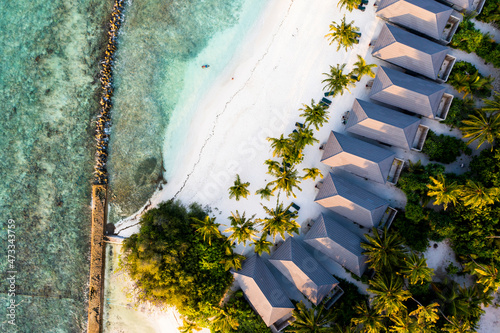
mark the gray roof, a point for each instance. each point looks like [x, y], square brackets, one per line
[425, 16]
[331, 238]
[305, 272]
[344, 198]
[358, 157]
[409, 51]
[465, 4]
[262, 290]
[382, 124]
[407, 92]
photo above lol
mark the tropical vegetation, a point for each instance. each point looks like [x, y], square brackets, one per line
[444, 148]
[472, 40]
[239, 189]
[344, 34]
[174, 261]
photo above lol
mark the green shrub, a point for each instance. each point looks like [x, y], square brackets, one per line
[490, 12]
[470, 39]
[444, 148]
[441, 224]
[479, 85]
[172, 264]
[486, 167]
[343, 307]
[249, 321]
[415, 212]
[459, 110]
[415, 235]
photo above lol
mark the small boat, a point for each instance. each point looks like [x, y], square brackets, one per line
[205, 66]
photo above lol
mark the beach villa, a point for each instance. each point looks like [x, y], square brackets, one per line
[385, 125]
[337, 242]
[416, 54]
[264, 293]
[407, 92]
[353, 202]
[426, 17]
[468, 6]
[361, 158]
[305, 272]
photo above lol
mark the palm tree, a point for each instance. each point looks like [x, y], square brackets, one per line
[362, 68]
[368, 318]
[224, 321]
[272, 166]
[242, 229]
[265, 193]
[239, 189]
[403, 323]
[303, 137]
[384, 252]
[474, 194]
[286, 179]
[350, 328]
[315, 115]
[416, 269]
[350, 5]
[470, 297]
[281, 146]
[468, 84]
[443, 193]
[426, 314]
[280, 220]
[337, 81]
[483, 127]
[458, 326]
[189, 327]
[488, 277]
[314, 320]
[312, 173]
[493, 105]
[389, 294]
[345, 34]
[262, 245]
[207, 228]
[449, 297]
[233, 261]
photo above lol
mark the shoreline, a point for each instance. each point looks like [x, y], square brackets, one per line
[277, 69]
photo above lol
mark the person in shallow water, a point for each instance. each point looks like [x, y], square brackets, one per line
[205, 66]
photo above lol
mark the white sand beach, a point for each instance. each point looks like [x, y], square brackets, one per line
[258, 95]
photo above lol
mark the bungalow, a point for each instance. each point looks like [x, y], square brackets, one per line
[264, 293]
[304, 271]
[469, 6]
[385, 125]
[334, 240]
[353, 202]
[427, 17]
[361, 158]
[414, 53]
[404, 91]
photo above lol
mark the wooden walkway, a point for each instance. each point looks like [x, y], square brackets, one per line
[97, 260]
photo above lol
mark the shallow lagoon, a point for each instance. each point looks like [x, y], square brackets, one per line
[49, 53]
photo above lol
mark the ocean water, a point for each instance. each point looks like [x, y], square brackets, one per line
[49, 54]
[158, 80]
[49, 92]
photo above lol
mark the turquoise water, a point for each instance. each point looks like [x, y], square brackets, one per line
[49, 92]
[158, 74]
[49, 51]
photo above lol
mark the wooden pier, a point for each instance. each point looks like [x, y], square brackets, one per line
[97, 252]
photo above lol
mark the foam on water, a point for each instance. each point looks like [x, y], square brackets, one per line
[159, 81]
